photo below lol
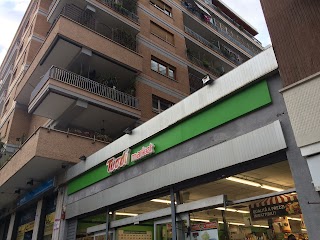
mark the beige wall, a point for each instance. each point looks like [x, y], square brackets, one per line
[303, 104]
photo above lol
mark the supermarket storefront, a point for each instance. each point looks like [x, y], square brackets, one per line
[193, 172]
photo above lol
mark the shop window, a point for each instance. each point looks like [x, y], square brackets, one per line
[163, 68]
[162, 7]
[162, 33]
[159, 104]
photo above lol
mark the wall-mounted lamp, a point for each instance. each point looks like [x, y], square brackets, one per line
[83, 158]
[128, 130]
[17, 191]
[30, 182]
[207, 80]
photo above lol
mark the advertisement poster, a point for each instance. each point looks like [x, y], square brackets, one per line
[281, 225]
[275, 210]
[204, 231]
[49, 224]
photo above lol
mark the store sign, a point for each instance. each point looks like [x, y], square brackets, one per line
[114, 164]
[144, 152]
[42, 188]
[284, 208]
[205, 231]
[204, 226]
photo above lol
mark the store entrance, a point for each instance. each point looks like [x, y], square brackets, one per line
[163, 228]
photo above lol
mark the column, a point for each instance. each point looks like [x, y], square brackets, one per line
[37, 220]
[11, 226]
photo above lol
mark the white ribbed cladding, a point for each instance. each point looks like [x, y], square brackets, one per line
[252, 145]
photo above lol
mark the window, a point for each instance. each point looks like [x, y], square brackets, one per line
[162, 7]
[162, 33]
[159, 104]
[163, 68]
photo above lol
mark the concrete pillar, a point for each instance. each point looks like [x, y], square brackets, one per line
[37, 220]
[11, 226]
[303, 182]
[58, 228]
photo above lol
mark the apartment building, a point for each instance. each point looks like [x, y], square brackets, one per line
[79, 73]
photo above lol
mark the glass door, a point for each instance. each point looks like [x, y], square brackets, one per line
[163, 228]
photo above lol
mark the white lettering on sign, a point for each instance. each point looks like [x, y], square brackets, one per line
[114, 164]
[144, 152]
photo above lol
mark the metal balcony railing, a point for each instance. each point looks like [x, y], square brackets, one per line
[232, 21]
[87, 18]
[3, 95]
[216, 46]
[204, 64]
[195, 83]
[120, 9]
[218, 29]
[91, 86]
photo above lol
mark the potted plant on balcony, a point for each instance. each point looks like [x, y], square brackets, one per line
[131, 87]
[206, 64]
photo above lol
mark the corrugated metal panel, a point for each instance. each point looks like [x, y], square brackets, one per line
[71, 230]
[243, 75]
[249, 146]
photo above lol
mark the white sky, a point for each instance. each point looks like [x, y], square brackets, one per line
[11, 13]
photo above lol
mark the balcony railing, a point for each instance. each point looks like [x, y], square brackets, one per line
[91, 86]
[195, 83]
[86, 18]
[120, 9]
[217, 28]
[3, 95]
[232, 21]
[205, 65]
[216, 46]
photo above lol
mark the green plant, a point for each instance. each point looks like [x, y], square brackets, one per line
[131, 87]
[206, 64]
[130, 5]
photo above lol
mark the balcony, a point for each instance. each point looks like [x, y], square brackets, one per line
[43, 155]
[126, 12]
[87, 19]
[205, 64]
[232, 21]
[75, 46]
[217, 47]
[72, 100]
[195, 83]
[216, 27]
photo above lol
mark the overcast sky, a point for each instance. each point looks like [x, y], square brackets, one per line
[11, 13]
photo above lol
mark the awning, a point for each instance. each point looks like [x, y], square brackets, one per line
[203, 9]
[277, 206]
[275, 200]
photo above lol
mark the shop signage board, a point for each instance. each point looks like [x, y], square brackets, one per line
[205, 231]
[113, 164]
[277, 206]
[42, 188]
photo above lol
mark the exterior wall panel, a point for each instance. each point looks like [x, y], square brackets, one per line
[238, 150]
[294, 30]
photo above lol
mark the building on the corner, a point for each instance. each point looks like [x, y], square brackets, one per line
[78, 73]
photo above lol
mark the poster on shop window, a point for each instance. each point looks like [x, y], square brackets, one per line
[204, 231]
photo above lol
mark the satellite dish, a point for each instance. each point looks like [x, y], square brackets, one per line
[207, 80]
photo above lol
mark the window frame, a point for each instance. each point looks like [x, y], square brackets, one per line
[166, 8]
[167, 33]
[166, 65]
[160, 102]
